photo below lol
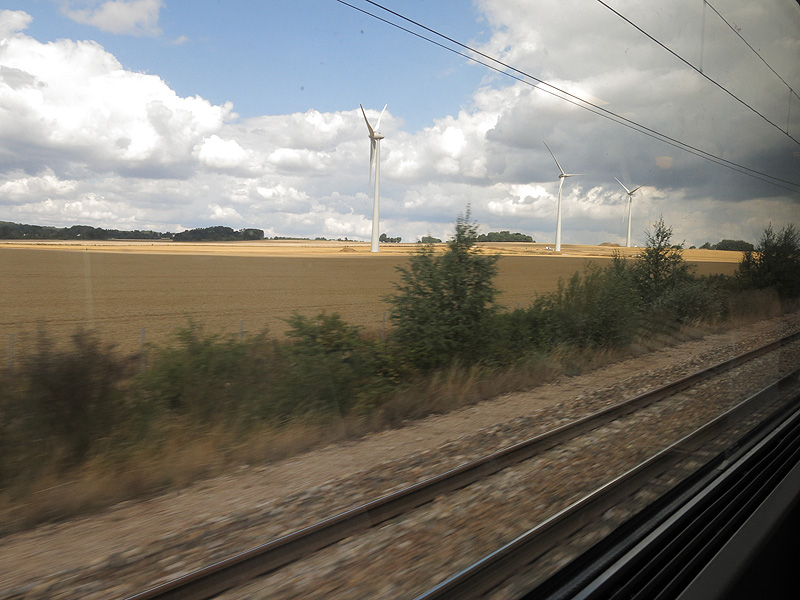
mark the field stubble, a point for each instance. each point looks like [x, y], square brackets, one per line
[117, 289]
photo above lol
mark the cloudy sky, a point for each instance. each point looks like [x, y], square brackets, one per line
[170, 114]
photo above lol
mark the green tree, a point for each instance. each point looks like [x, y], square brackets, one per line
[427, 239]
[735, 245]
[445, 302]
[774, 263]
[660, 266]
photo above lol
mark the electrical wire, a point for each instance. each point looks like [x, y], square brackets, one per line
[736, 31]
[699, 71]
[523, 77]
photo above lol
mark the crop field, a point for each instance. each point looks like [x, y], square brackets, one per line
[129, 290]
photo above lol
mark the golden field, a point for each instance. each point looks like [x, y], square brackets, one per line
[120, 287]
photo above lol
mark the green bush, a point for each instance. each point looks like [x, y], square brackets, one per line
[328, 364]
[62, 400]
[599, 309]
[696, 299]
[210, 379]
[445, 303]
[660, 267]
[775, 263]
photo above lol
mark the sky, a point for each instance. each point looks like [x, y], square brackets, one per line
[173, 114]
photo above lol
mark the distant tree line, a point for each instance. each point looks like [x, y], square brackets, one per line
[218, 234]
[19, 231]
[735, 245]
[504, 236]
[384, 239]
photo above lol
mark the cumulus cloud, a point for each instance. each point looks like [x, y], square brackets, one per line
[70, 106]
[13, 22]
[131, 17]
[221, 154]
[79, 132]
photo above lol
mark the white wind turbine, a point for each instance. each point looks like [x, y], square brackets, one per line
[375, 138]
[630, 204]
[561, 177]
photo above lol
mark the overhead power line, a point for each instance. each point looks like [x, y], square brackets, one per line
[554, 90]
[699, 71]
[736, 31]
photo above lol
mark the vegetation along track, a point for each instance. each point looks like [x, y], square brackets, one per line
[564, 464]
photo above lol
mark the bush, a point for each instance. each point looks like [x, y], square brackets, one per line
[599, 309]
[443, 308]
[209, 379]
[775, 263]
[693, 300]
[327, 364]
[660, 266]
[61, 401]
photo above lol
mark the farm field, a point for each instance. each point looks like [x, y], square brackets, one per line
[121, 289]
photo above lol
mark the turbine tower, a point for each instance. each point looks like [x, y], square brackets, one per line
[561, 177]
[375, 138]
[630, 204]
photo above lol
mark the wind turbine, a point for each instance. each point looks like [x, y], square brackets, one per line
[561, 177]
[375, 138]
[630, 204]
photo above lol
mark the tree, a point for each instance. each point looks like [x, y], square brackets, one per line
[426, 239]
[445, 302]
[660, 266]
[735, 245]
[774, 263]
[504, 236]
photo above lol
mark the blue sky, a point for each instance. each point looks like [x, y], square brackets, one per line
[279, 57]
[167, 115]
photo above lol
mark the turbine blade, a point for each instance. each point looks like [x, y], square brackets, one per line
[554, 157]
[378, 124]
[371, 133]
[623, 185]
[634, 189]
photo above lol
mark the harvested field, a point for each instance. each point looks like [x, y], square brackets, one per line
[118, 288]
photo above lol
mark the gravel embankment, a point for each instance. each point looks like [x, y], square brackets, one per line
[136, 545]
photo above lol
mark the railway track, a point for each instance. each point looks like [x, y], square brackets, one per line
[268, 558]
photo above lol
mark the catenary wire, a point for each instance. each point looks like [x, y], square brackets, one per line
[700, 72]
[569, 97]
[734, 30]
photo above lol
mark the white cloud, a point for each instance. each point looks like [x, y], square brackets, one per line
[73, 107]
[221, 154]
[78, 132]
[13, 22]
[132, 17]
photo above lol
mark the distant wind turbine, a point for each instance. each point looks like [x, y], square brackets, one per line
[375, 138]
[561, 177]
[630, 204]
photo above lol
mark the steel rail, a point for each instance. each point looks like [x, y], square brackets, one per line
[657, 552]
[260, 560]
[497, 567]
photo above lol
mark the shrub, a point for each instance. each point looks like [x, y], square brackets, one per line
[63, 400]
[209, 379]
[599, 309]
[774, 263]
[445, 303]
[327, 364]
[660, 266]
